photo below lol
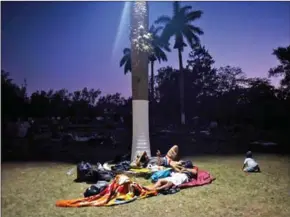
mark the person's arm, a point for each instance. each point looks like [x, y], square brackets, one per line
[176, 166]
[158, 154]
[244, 165]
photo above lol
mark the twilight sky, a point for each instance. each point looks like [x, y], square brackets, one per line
[79, 44]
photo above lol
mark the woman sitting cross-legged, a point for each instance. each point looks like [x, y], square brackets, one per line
[176, 178]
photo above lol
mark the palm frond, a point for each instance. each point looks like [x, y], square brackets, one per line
[166, 47]
[191, 38]
[163, 20]
[161, 55]
[194, 15]
[123, 60]
[154, 30]
[167, 32]
[128, 67]
[184, 9]
[195, 29]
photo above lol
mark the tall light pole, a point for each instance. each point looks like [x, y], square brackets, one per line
[140, 49]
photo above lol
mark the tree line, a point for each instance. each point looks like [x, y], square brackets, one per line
[196, 89]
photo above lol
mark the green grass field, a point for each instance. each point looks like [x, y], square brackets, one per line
[31, 189]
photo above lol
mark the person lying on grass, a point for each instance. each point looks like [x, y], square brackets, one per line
[250, 165]
[170, 159]
[176, 179]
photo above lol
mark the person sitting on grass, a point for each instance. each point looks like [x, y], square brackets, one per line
[250, 165]
[176, 179]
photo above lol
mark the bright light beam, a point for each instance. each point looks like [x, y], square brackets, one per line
[123, 26]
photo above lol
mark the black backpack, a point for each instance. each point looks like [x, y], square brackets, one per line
[86, 173]
[95, 189]
[105, 176]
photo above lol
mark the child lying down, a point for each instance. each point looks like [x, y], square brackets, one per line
[250, 165]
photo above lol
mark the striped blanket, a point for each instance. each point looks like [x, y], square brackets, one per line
[121, 190]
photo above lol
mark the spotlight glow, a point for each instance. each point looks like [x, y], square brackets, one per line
[123, 26]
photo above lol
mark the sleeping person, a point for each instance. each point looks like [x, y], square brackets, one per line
[175, 179]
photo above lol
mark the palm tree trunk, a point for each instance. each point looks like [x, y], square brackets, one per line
[181, 86]
[152, 81]
[140, 104]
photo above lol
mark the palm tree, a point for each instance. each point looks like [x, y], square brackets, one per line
[126, 60]
[158, 46]
[139, 60]
[158, 54]
[179, 25]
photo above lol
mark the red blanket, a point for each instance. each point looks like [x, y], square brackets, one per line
[203, 178]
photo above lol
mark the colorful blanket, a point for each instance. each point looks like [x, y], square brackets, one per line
[121, 190]
[203, 178]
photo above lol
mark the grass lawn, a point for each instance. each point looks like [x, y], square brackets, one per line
[31, 189]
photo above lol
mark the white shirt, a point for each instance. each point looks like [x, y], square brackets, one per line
[250, 162]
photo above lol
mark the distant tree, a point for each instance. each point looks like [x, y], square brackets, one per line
[14, 97]
[179, 26]
[201, 83]
[111, 102]
[261, 105]
[283, 55]
[40, 104]
[203, 74]
[167, 80]
[230, 78]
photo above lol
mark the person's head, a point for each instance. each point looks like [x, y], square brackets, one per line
[188, 164]
[249, 154]
[191, 172]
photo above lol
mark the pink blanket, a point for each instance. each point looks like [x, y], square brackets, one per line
[203, 178]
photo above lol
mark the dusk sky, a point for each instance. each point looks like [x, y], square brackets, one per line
[79, 44]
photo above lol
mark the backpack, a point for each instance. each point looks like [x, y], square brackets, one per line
[95, 189]
[86, 173]
[105, 175]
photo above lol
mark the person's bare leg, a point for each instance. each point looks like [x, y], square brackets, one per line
[173, 153]
[161, 184]
[166, 184]
[156, 185]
